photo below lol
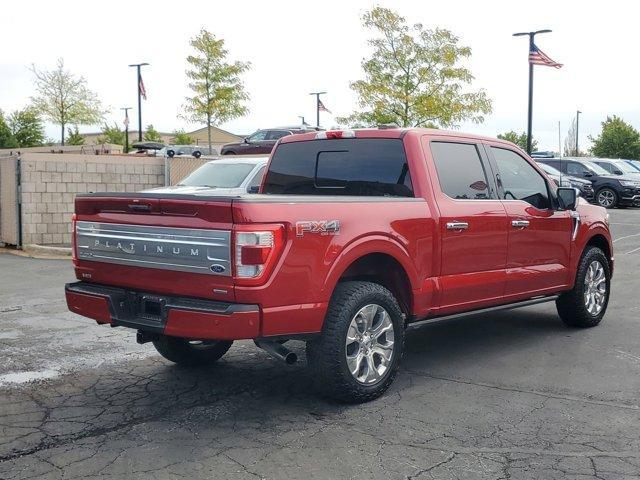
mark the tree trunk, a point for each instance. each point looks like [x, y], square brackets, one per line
[62, 136]
[209, 132]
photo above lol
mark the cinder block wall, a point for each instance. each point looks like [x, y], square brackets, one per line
[50, 183]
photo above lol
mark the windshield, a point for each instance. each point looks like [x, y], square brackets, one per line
[218, 175]
[625, 167]
[597, 169]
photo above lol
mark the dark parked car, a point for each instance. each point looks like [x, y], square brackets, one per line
[617, 167]
[562, 180]
[610, 190]
[262, 141]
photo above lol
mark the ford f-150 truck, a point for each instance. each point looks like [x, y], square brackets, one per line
[354, 236]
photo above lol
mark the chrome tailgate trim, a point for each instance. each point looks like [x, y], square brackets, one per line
[179, 249]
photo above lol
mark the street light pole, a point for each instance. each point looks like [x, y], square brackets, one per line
[317, 94]
[578, 112]
[139, 85]
[126, 128]
[530, 110]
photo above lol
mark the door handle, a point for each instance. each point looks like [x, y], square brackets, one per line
[520, 223]
[457, 225]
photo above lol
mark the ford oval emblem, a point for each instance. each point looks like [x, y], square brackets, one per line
[217, 268]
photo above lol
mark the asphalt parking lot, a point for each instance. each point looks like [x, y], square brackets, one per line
[509, 395]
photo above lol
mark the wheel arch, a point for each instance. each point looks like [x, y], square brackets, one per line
[379, 261]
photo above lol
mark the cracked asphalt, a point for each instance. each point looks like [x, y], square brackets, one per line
[508, 395]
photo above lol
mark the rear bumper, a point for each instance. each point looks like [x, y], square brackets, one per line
[168, 315]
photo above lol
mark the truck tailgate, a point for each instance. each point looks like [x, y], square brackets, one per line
[172, 244]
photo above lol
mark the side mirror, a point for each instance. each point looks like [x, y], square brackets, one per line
[588, 174]
[618, 172]
[253, 188]
[245, 140]
[568, 198]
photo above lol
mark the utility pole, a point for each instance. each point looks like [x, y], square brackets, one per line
[140, 87]
[126, 128]
[578, 112]
[530, 113]
[317, 94]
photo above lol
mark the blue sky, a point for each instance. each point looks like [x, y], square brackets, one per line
[299, 47]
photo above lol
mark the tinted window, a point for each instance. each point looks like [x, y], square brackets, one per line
[519, 180]
[276, 134]
[575, 168]
[218, 175]
[460, 170]
[361, 167]
[606, 165]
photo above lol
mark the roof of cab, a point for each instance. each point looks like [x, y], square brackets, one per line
[394, 133]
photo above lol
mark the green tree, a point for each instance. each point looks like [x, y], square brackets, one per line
[74, 137]
[617, 139]
[7, 140]
[26, 127]
[64, 99]
[414, 77]
[114, 135]
[520, 139]
[218, 91]
[151, 135]
[180, 137]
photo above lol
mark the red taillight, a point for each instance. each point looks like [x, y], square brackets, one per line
[256, 249]
[74, 247]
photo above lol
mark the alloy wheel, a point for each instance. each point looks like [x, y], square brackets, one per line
[606, 198]
[370, 344]
[595, 288]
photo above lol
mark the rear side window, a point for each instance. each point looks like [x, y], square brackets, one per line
[276, 134]
[354, 166]
[460, 171]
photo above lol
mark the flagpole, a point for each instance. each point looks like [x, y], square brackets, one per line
[138, 65]
[530, 102]
[126, 128]
[317, 94]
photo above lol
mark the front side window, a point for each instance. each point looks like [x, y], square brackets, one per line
[519, 180]
[606, 165]
[575, 168]
[259, 136]
[460, 171]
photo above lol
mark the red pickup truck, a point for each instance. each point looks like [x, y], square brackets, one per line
[355, 236]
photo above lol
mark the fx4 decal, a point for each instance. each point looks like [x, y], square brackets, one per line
[323, 227]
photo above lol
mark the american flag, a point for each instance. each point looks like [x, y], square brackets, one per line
[322, 108]
[141, 88]
[538, 57]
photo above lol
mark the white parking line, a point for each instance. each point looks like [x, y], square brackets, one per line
[634, 250]
[626, 236]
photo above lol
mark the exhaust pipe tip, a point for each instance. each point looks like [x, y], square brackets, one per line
[290, 358]
[277, 351]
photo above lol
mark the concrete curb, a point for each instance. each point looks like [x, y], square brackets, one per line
[41, 251]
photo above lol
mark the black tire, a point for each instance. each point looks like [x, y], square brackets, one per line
[197, 154]
[186, 352]
[572, 306]
[606, 195]
[327, 355]
[171, 153]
